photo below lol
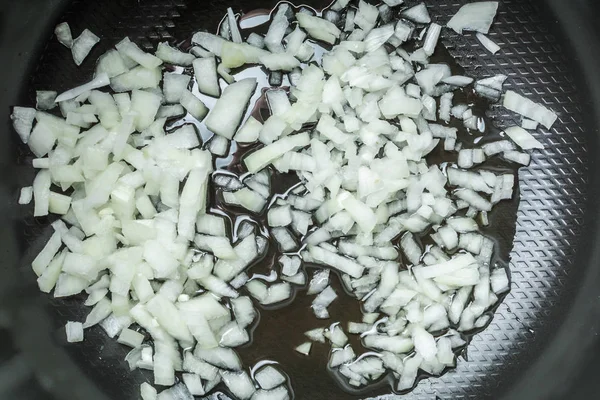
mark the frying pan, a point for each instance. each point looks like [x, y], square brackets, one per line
[543, 341]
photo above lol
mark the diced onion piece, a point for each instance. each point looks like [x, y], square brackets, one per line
[137, 78]
[63, 34]
[82, 45]
[111, 63]
[249, 131]
[99, 81]
[147, 392]
[476, 16]
[22, 119]
[193, 105]
[333, 260]
[45, 99]
[127, 48]
[304, 348]
[277, 29]
[529, 109]
[269, 377]
[26, 195]
[522, 138]
[417, 14]
[173, 56]
[488, 43]
[74, 331]
[173, 86]
[239, 384]
[318, 28]
[227, 113]
[266, 155]
[205, 71]
[431, 39]
[130, 338]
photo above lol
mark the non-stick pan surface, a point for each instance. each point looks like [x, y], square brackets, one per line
[542, 336]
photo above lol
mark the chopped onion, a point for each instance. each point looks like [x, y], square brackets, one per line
[318, 28]
[304, 348]
[274, 37]
[488, 43]
[22, 118]
[476, 16]
[99, 81]
[82, 45]
[529, 109]
[269, 377]
[74, 332]
[129, 49]
[205, 72]
[173, 56]
[63, 34]
[138, 201]
[227, 113]
[522, 138]
[418, 14]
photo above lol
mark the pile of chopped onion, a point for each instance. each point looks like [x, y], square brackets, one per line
[171, 278]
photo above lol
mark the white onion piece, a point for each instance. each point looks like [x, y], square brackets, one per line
[249, 131]
[269, 377]
[239, 384]
[458, 80]
[431, 39]
[173, 56]
[227, 113]
[279, 393]
[130, 338]
[529, 109]
[393, 3]
[333, 260]
[194, 365]
[529, 124]
[148, 392]
[266, 155]
[417, 14]
[127, 48]
[82, 45]
[177, 392]
[137, 78]
[22, 119]
[318, 28]
[517, 157]
[256, 40]
[476, 16]
[488, 43]
[341, 356]
[99, 81]
[173, 86]
[193, 384]
[304, 348]
[274, 38]
[45, 99]
[365, 18]
[522, 138]
[63, 34]
[234, 55]
[193, 105]
[111, 63]
[74, 331]
[210, 42]
[205, 72]
[377, 37]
